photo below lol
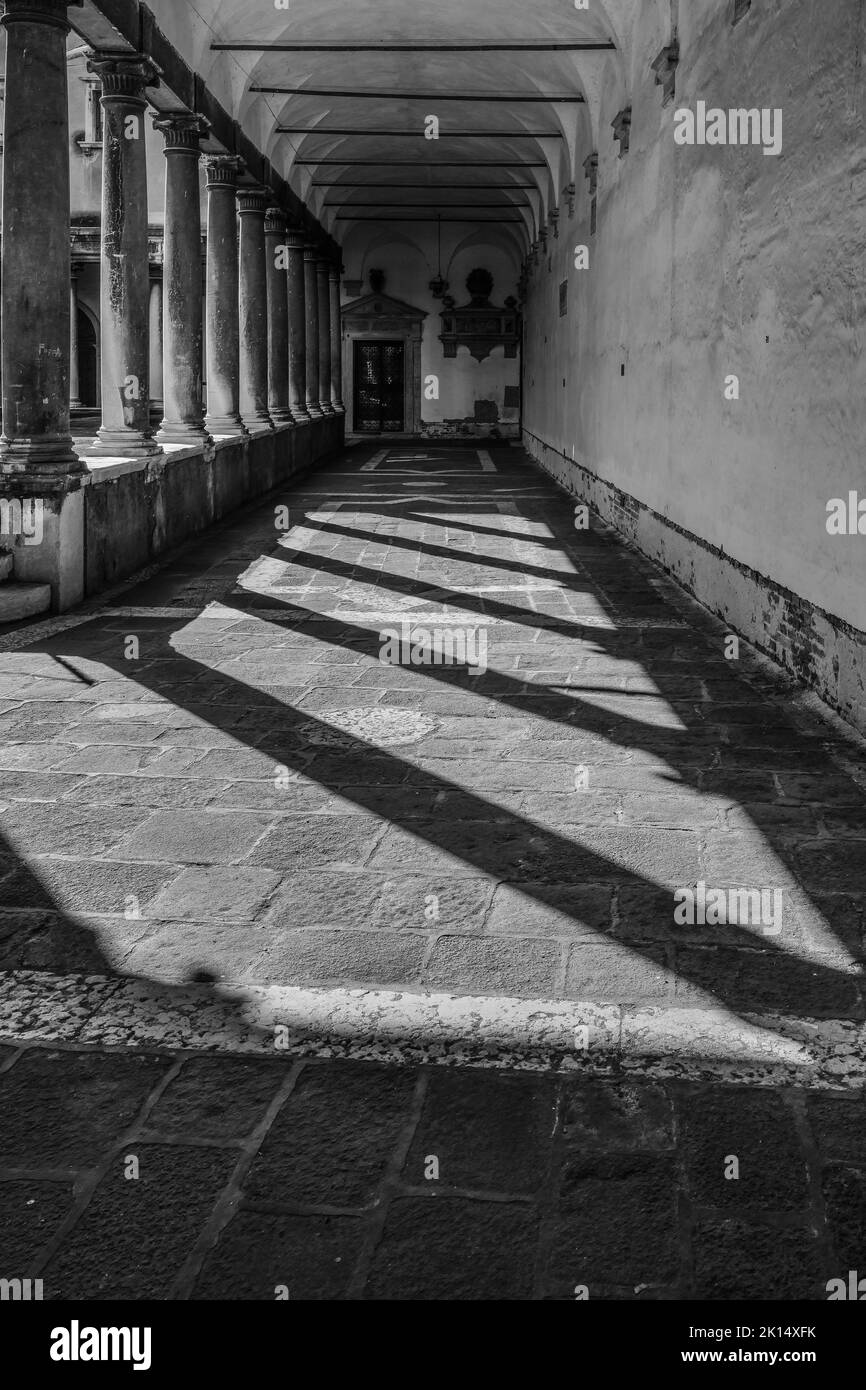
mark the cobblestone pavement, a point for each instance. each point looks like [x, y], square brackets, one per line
[137, 1175]
[213, 789]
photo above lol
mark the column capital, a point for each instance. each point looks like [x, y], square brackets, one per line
[253, 201]
[334, 274]
[275, 222]
[311, 253]
[294, 239]
[182, 131]
[223, 170]
[323, 265]
[124, 78]
[38, 12]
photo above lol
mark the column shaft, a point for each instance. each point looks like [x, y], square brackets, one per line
[311, 309]
[155, 335]
[323, 291]
[336, 343]
[182, 313]
[252, 205]
[125, 288]
[36, 446]
[223, 314]
[278, 317]
[297, 328]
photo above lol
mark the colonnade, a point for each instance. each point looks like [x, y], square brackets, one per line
[268, 309]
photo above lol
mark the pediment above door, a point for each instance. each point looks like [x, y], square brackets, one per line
[382, 313]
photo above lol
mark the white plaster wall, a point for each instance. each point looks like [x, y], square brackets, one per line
[409, 259]
[717, 260]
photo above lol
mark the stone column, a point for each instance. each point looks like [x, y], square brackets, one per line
[324, 303]
[155, 336]
[182, 310]
[252, 206]
[75, 402]
[223, 315]
[311, 307]
[297, 328]
[336, 343]
[36, 454]
[278, 317]
[125, 287]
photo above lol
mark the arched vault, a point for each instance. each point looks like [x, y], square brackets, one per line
[345, 100]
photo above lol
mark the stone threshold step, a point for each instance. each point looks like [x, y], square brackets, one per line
[19, 601]
[402, 1027]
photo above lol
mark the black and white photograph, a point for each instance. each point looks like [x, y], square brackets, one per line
[432, 672]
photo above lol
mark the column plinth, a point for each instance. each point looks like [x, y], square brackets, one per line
[311, 319]
[124, 279]
[182, 304]
[278, 317]
[36, 453]
[336, 342]
[297, 328]
[253, 303]
[222, 310]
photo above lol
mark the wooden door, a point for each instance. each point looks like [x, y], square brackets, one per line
[379, 387]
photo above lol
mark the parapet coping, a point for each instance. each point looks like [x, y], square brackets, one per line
[104, 469]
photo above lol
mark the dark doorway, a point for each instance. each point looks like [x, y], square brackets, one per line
[379, 388]
[87, 388]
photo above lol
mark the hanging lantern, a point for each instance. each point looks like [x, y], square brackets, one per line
[438, 287]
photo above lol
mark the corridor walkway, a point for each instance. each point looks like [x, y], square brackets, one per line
[243, 813]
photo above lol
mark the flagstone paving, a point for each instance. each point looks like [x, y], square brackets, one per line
[146, 1175]
[213, 780]
[229, 788]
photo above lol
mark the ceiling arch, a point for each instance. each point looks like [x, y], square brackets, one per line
[339, 98]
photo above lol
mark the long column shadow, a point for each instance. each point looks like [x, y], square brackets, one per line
[444, 552]
[541, 701]
[536, 860]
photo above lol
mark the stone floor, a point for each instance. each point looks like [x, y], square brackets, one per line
[223, 814]
[227, 1178]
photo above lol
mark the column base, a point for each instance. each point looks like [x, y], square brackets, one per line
[281, 415]
[301, 415]
[315, 411]
[258, 424]
[179, 432]
[225, 424]
[339, 408]
[47, 461]
[124, 444]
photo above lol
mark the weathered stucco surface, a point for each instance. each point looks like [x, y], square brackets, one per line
[717, 261]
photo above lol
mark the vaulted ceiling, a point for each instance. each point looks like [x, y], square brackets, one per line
[337, 96]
